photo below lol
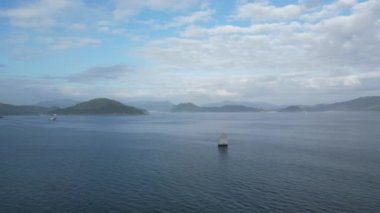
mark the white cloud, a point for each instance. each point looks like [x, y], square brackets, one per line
[199, 16]
[32, 47]
[38, 14]
[77, 26]
[346, 42]
[256, 52]
[336, 54]
[329, 10]
[262, 11]
[196, 31]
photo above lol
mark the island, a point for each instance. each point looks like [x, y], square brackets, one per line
[368, 103]
[9, 109]
[190, 107]
[100, 106]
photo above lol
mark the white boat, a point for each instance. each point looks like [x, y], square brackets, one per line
[53, 118]
[223, 140]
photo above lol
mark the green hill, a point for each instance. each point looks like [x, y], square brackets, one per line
[101, 106]
[8, 109]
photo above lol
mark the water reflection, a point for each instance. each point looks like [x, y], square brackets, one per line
[223, 153]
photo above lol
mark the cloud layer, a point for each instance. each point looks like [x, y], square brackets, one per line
[303, 52]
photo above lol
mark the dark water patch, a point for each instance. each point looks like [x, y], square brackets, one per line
[170, 163]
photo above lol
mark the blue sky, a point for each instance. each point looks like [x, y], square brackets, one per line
[303, 51]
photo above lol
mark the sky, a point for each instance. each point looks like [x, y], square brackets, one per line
[201, 51]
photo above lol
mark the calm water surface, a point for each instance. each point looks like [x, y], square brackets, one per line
[168, 162]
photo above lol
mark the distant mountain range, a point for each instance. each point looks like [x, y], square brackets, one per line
[258, 105]
[190, 107]
[369, 103]
[104, 106]
[98, 106]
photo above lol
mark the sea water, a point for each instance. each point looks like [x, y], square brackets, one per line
[170, 162]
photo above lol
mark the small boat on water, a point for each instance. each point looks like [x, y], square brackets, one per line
[223, 140]
[53, 118]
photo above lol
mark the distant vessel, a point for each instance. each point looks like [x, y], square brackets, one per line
[223, 140]
[53, 118]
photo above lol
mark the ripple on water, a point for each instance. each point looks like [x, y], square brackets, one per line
[170, 163]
